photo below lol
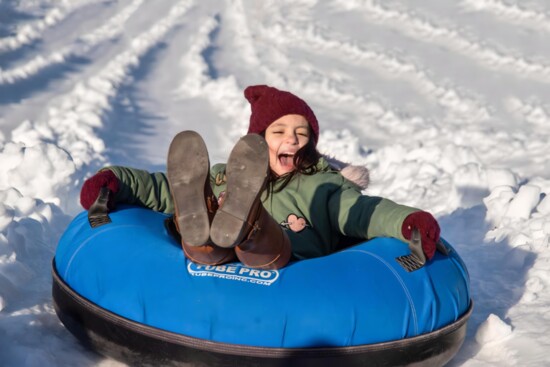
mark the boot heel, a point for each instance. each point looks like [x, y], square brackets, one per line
[187, 171]
[247, 170]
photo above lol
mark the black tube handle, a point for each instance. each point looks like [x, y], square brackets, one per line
[415, 245]
[417, 258]
[98, 214]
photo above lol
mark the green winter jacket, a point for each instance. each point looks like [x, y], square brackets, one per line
[320, 212]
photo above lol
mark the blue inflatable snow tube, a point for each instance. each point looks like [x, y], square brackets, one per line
[132, 271]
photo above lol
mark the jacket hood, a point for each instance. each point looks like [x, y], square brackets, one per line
[359, 175]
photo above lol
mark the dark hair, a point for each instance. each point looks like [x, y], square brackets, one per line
[305, 161]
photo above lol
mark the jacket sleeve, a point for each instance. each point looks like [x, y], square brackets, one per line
[363, 216]
[139, 187]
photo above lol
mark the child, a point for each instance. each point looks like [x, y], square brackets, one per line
[275, 198]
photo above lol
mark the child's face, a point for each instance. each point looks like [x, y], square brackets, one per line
[284, 137]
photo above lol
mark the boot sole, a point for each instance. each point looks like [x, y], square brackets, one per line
[246, 171]
[187, 170]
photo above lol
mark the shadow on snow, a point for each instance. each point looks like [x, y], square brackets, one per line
[498, 271]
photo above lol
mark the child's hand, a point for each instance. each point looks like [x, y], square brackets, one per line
[428, 228]
[90, 188]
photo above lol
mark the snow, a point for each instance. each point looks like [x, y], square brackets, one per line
[444, 101]
[492, 330]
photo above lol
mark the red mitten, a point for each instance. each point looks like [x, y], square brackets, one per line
[428, 228]
[90, 188]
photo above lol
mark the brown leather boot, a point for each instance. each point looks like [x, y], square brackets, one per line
[188, 169]
[246, 171]
[267, 245]
[208, 254]
[242, 220]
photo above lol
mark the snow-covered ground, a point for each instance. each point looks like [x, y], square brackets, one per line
[446, 102]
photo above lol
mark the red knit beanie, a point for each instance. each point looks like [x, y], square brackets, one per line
[269, 104]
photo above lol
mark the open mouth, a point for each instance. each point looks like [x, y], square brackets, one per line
[286, 159]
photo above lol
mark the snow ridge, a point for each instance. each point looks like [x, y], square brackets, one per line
[237, 20]
[33, 31]
[531, 112]
[424, 31]
[87, 103]
[516, 14]
[460, 108]
[110, 30]
[224, 94]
